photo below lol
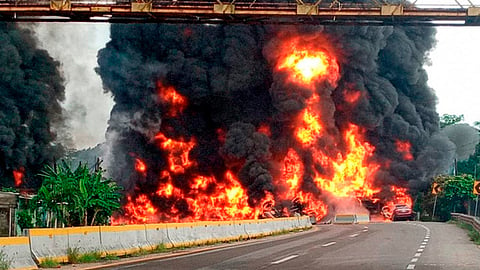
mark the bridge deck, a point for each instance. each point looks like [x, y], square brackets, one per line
[217, 12]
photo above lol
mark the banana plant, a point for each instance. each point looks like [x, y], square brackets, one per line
[78, 197]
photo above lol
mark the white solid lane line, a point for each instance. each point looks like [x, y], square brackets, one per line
[285, 259]
[329, 244]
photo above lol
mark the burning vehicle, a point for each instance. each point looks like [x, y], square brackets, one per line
[398, 212]
[243, 122]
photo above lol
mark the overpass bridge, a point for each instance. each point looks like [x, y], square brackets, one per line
[374, 12]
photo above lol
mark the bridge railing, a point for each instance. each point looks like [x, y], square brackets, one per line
[243, 3]
[474, 221]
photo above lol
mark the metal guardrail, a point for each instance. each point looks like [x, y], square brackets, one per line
[474, 221]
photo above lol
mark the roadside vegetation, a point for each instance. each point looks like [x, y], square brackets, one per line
[455, 192]
[72, 197]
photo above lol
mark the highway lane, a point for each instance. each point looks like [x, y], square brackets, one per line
[398, 245]
[449, 247]
[372, 246]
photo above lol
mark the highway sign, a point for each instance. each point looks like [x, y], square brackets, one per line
[436, 189]
[476, 187]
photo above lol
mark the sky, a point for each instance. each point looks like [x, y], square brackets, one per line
[453, 71]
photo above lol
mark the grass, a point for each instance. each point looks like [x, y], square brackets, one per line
[74, 256]
[49, 263]
[111, 257]
[472, 233]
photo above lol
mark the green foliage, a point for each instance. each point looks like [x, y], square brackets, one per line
[456, 191]
[457, 188]
[49, 263]
[160, 248]
[9, 189]
[471, 165]
[450, 119]
[89, 257]
[77, 197]
[74, 256]
[5, 262]
[111, 257]
[24, 219]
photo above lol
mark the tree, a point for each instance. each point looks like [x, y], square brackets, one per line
[76, 197]
[456, 191]
[450, 119]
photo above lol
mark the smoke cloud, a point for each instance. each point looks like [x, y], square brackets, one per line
[87, 108]
[241, 110]
[30, 112]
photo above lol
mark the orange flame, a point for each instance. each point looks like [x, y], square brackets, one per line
[141, 209]
[178, 153]
[140, 166]
[346, 173]
[169, 95]
[18, 176]
[265, 129]
[352, 172]
[352, 96]
[404, 147]
[310, 130]
[307, 64]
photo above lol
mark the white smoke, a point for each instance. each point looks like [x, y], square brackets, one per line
[75, 46]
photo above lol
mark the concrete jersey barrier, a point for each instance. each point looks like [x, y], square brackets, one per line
[124, 240]
[49, 244]
[127, 239]
[17, 252]
[345, 219]
[84, 239]
[362, 218]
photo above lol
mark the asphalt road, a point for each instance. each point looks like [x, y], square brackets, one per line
[398, 245]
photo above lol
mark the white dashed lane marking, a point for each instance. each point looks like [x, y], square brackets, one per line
[285, 259]
[422, 247]
[354, 235]
[329, 244]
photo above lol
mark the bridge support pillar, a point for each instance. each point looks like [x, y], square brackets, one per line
[141, 6]
[224, 8]
[60, 5]
[390, 10]
[473, 11]
[307, 9]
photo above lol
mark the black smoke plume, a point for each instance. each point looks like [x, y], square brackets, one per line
[227, 74]
[31, 89]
